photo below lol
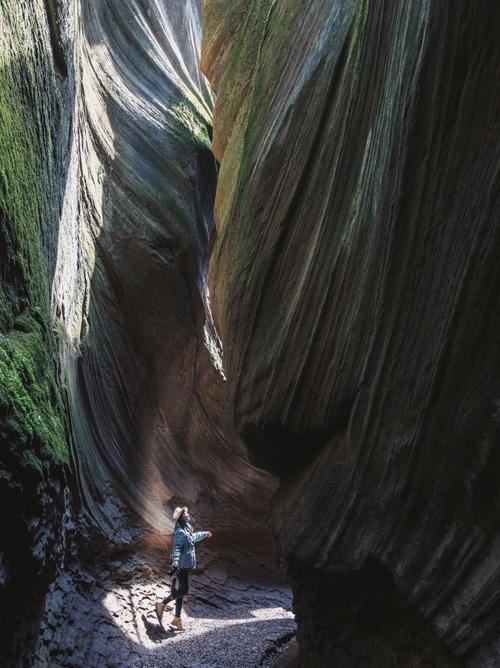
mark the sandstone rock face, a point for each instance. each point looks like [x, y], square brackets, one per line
[142, 360]
[111, 380]
[354, 285]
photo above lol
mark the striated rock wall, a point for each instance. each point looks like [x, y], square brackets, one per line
[354, 285]
[36, 97]
[111, 387]
[141, 360]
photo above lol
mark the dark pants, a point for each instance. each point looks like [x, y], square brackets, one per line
[180, 587]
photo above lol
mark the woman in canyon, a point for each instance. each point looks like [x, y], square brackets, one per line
[183, 561]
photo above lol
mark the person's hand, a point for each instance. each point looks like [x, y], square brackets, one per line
[209, 534]
[173, 570]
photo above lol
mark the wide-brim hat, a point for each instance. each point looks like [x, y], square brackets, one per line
[178, 512]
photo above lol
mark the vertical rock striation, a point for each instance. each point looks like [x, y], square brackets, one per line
[142, 359]
[36, 94]
[111, 384]
[354, 283]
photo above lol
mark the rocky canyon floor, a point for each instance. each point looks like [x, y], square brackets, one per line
[238, 613]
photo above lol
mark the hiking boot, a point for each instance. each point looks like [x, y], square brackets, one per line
[159, 607]
[177, 624]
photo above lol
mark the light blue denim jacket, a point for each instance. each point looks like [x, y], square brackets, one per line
[183, 552]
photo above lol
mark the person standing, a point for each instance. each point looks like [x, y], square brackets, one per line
[183, 561]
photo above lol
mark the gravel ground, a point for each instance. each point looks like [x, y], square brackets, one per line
[238, 612]
[245, 638]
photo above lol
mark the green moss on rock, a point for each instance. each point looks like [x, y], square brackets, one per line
[27, 389]
[188, 125]
[29, 113]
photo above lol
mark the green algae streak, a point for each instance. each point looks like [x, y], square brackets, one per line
[29, 396]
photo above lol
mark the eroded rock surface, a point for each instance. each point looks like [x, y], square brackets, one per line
[141, 363]
[112, 390]
[354, 285]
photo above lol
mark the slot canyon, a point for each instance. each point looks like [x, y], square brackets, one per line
[249, 264]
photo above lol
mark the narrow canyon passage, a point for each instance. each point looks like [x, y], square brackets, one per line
[113, 91]
[249, 265]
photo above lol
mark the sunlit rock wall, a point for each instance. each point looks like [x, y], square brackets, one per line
[113, 403]
[354, 285]
[142, 361]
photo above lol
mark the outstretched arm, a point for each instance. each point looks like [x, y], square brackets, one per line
[200, 535]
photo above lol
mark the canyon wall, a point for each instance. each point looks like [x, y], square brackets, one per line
[354, 285]
[36, 98]
[114, 406]
[142, 361]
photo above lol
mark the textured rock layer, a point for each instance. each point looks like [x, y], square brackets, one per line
[354, 284]
[111, 385]
[35, 103]
[148, 400]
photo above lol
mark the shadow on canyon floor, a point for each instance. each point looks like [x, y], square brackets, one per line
[243, 643]
[238, 611]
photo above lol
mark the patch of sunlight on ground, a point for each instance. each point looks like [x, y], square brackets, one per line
[132, 610]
